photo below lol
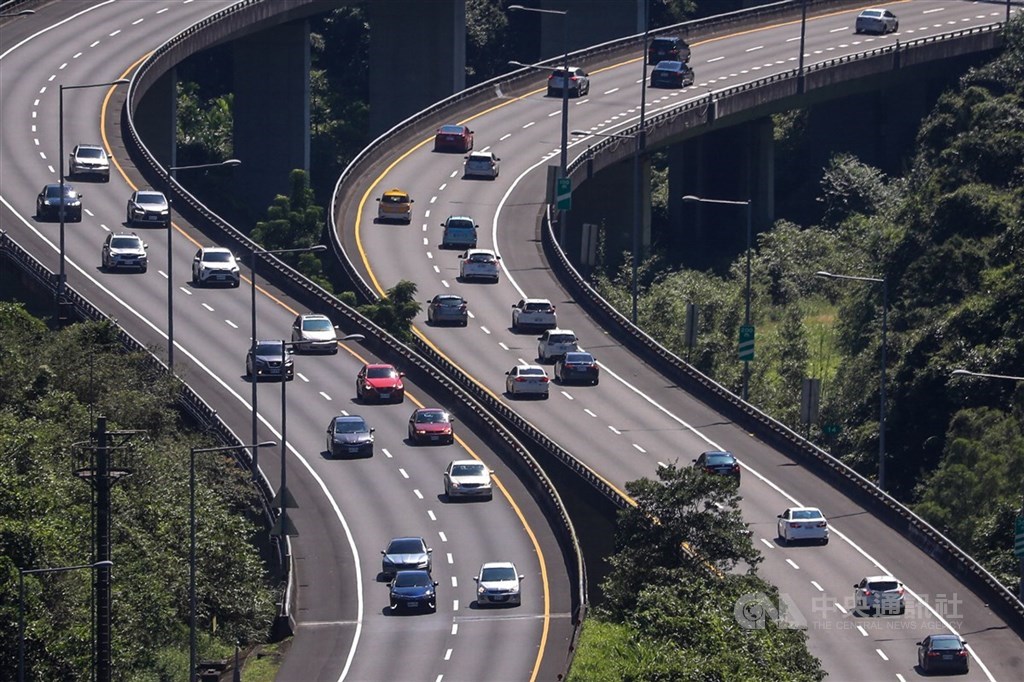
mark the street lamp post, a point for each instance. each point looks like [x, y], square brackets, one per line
[881, 401]
[173, 180]
[1020, 512]
[192, 542]
[61, 277]
[256, 253]
[563, 162]
[803, 33]
[22, 572]
[746, 316]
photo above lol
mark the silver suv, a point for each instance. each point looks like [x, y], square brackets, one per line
[577, 81]
[555, 343]
[214, 264]
[123, 250]
[89, 159]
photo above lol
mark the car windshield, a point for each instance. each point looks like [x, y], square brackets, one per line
[405, 546]
[124, 243]
[53, 192]
[496, 573]
[217, 257]
[945, 643]
[394, 199]
[806, 514]
[412, 579]
[151, 198]
[719, 458]
[90, 153]
[468, 470]
[883, 585]
[317, 325]
[381, 373]
[460, 223]
[268, 348]
[350, 426]
[431, 417]
[481, 258]
[578, 358]
[451, 130]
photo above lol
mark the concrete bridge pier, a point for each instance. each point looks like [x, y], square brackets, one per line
[271, 111]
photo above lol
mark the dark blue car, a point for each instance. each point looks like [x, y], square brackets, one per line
[668, 74]
[413, 591]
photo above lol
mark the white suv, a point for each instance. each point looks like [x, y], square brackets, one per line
[89, 159]
[214, 264]
[533, 312]
[478, 264]
[555, 343]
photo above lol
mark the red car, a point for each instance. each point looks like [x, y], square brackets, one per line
[453, 138]
[431, 425]
[380, 382]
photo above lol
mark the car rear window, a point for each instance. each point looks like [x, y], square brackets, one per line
[481, 258]
[538, 307]
[531, 372]
[394, 199]
[561, 338]
[578, 358]
[450, 302]
[719, 458]
[883, 585]
[946, 644]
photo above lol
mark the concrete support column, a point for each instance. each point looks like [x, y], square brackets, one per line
[271, 110]
[156, 118]
[761, 180]
[687, 236]
[418, 52]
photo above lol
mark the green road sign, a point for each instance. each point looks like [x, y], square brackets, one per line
[831, 429]
[746, 347]
[1018, 538]
[563, 194]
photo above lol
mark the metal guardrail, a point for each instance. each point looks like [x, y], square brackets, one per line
[895, 514]
[424, 367]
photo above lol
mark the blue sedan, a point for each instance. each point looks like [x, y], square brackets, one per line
[414, 591]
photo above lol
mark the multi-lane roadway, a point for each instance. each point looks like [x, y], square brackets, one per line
[634, 422]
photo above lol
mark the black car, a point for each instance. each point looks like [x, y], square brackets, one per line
[671, 75]
[272, 360]
[414, 591]
[48, 203]
[349, 435]
[578, 366]
[943, 652]
[720, 462]
[671, 48]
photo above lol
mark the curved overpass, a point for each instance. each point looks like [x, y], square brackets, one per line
[347, 509]
[648, 412]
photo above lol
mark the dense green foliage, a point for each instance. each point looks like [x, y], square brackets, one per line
[948, 238]
[670, 598]
[52, 387]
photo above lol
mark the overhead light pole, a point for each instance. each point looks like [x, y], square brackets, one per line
[173, 180]
[256, 253]
[1019, 523]
[62, 277]
[22, 572]
[746, 315]
[881, 401]
[803, 33]
[192, 542]
[563, 162]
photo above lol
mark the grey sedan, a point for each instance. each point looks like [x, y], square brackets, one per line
[447, 308]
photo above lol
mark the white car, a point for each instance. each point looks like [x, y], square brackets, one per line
[577, 81]
[527, 380]
[876, 20]
[555, 343]
[467, 478]
[123, 250]
[314, 333]
[533, 312]
[89, 159]
[478, 264]
[215, 264]
[881, 594]
[481, 165]
[498, 582]
[803, 523]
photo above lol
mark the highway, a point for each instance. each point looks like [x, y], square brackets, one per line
[635, 421]
[348, 510]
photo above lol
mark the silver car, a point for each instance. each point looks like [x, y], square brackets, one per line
[576, 80]
[148, 206]
[481, 165]
[527, 380]
[467, 478]
[123, 250]
[314, 333]
[405, 554]
[89, 159]
[879, 594]
[447, 308]
[498, 583]
[349, 435]
[877, 20]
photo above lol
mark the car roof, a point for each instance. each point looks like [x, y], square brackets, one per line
[215, 249]
[394, 191]
[470, 252]
[793, 509]
[537, 300]
[422, 410]
[880, 578]
[497, 564]
[453, 128]
[88, 146]
[481, 155]
[560, 330]
[526, 365]
[348, 418]
[464, 462]
[947, 636]
[460, 217]
[408, 537]
[667, 64]
[314, 316]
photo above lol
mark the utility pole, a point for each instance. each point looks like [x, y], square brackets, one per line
[102, 475]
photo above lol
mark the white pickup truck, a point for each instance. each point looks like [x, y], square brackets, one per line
[478, 264]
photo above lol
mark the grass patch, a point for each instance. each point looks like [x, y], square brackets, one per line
[263, 663]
